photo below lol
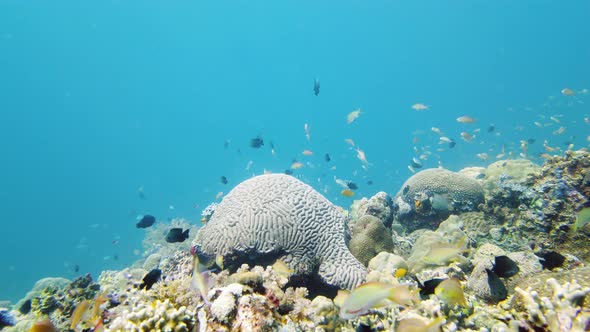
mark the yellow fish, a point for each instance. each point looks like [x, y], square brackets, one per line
[418, 325]
[296, 165]
[307, 153]
[582, 219]
[347, 193]
[352, 116]
[568, 92]
[373, 294]
[450, 292]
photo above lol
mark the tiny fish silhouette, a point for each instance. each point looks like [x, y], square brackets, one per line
[316, 86]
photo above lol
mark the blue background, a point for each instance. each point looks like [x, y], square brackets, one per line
[98, 98]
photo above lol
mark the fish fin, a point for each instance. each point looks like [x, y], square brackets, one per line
[185, 233]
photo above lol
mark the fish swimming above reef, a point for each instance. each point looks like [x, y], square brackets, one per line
[498, 290]
[465, 119]
[176, 235]
[418, 325]
[150, 279]
[504, 267]
[327, 157]
[351, 185]
[256, 142]
[551, 259]
[451, 292]
[316, 86]
[223, 179]
[416, 163]
[373, 295]
[146, 221]
[427, 288]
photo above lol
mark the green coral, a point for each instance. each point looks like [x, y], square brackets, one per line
[369, 237]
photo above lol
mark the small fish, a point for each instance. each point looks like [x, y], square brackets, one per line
[307, 132]
[288, 172]
[443, 255]
[467, 137]
[176, 235]
[531, 141]
[568, 92]
[360, 154]
[226, 143]
[538, 124]
[465, 119]
[350, 142]
[504, 267]
[491, 128]
[554, 119]
[436, 130]
[316, 86]
[200, 279]
[223, 179]
[373, 294]
[583, 216]
[400, 272]
[427, 288]
[451, 292]
[256, 142]
[76, 268]
[141, 192]
[452, 144]
[444, 139]
[351, 185]
[419, 107]
[146, 221]
[498, 290]
[405, 190]
[416, 163]
[282, 269]
[327, 158]
[26, 307]
[307, 153]
[352, 116]
[219, 195]
[418, 325]
[347, 193]
[559, 131]
[411, 169]
[483, 156]
[297, 165]
[272, 148]
[150, 279]
[551, 259]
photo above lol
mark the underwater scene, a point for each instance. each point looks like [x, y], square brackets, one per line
[411, 166]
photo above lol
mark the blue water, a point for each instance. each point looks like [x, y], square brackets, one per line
[100, 98]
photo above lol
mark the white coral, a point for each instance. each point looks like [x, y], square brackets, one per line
[561, 312]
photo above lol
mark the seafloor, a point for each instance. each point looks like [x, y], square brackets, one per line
[440, 225]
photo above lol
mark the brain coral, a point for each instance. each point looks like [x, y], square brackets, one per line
[277, 216]
[430, 196]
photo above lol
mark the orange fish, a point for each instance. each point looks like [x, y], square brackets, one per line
[465, 119]
[296, 165]
[466, 136]
[307, 153]
[347, 193]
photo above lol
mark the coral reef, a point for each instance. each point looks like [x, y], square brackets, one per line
[369, 237]
[276, 216]
[518, 170]
[560, 312]
[539, 211]
[430, 196]
[379, 206]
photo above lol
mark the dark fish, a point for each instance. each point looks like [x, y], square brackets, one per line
[176, 235]
[498, 290]
[76, 268]
[416, 163]
[115, 257]
[405, 190]
[150, 279]
[491, 128]
[551, 259]
[531, 140]
[146, 221]
[25, 308]
[452, 144]
[364, 328]
[327, 158]
[370, 183]
[316, 86]
[504, 267]
[223, 179]
[226, 143]
[351, 185]
[256, 142]
[427, 288]
[288, 172]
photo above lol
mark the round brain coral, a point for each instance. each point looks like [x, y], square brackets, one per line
[430, 196]
[276, 216]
